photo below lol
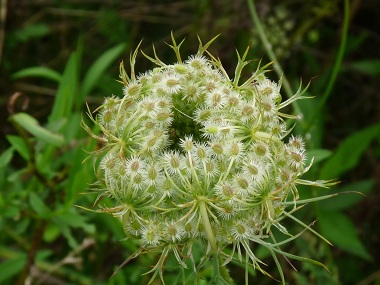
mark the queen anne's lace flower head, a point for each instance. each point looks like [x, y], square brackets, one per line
[190, 154]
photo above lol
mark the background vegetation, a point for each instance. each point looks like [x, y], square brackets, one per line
[57, 55]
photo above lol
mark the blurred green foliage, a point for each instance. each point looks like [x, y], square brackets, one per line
[56, 57]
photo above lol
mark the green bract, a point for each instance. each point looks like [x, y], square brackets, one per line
[190, 154]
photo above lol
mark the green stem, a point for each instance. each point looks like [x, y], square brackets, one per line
[221, 274]
[207, 225]
[268, 48]
[336, 67]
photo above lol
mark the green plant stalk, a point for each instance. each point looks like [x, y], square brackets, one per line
[35, 244]
[336, 67]
[207, 225]
[268, 48]
[334, 74]
[219, 271]
[221, 274]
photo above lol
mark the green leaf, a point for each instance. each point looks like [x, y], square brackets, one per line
[75, 220]
[6, 157]
[19, 145]
[316, 129]
[347, 200]
[65, 230]
[58, 125]
[368, 66]
[32, 126]
[31, 31]
[43, 254]
[16, 176]
[63, 103]
[38, 71]
[98, 67]
[51, 233]
[10, 211]
[81, 174]
[318, 154]
[349, 152]
[73, 126]
[38, 205]
[11, 267]
[67, 90]
[339, 229]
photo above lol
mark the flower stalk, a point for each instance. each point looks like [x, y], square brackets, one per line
[207, 225]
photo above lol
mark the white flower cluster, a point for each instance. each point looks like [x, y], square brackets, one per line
[191, 154]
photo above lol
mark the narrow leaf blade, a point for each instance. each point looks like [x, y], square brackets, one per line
[11, 267]
[342, 232]
[32, 126]
[38, 71]
[66, 91]
[39, 206]
[98, 67]
[349, 152]
[19, 145]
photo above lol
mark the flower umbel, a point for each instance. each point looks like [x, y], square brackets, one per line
[192, 157]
